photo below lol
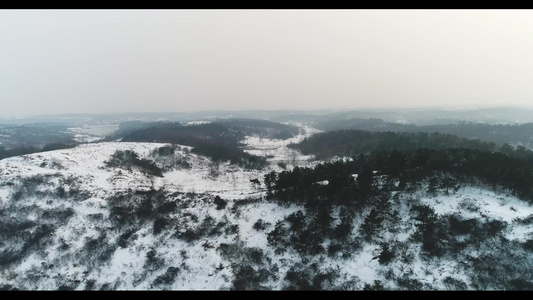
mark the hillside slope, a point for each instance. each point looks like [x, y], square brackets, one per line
[70, 221]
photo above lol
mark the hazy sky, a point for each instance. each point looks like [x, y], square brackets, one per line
[99, 61]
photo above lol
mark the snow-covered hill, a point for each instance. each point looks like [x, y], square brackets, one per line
[69, 221]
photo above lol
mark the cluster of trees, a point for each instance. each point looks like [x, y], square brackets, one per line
[448, 234]
[303, 185]
[352, 142]
[134, 209]
[27, 228]
[444, 159]
[498, 133]
[213, 140]
[444, 168]
[365, 183]
[262, 128]
[129, 160]
[167, 159]
[335, 194]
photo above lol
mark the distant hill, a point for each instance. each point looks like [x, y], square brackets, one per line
[219, 140]
[421, 117]
[325, 145]
[515, 134]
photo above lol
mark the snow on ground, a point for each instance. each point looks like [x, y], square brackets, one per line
[84, 134]
[364, 264]
[228, 183]
[269, 213]
[86, 162]
[276, 150]
[472, 202]
[197, 123]
[201, 266]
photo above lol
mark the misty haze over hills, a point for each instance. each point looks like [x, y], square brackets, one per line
[507, 115]
[469, 123]
[266, 150]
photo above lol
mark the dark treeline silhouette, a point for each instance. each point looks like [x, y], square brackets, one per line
[352, 142]
[239, 127]
[178, 133]
[519, 134]
[262, 128]
[444, 169]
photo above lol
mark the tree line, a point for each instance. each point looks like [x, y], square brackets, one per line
[356, 181]
[518, 134]
[353, 142]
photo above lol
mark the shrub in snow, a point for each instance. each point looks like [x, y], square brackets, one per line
[333, 249]
[160, 224]
[386, 255]
[261, 225]
[153, 261]
[125, 237]
[310, 277]
[469, 204]
[277, 238]
[168, 277]
[247, 278]
[454, 284]
[129, 160]
[371, 224]
[377, 285]
[164, 151]
[220, 203]
[528, 245]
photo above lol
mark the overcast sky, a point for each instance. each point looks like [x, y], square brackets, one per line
[104, 61]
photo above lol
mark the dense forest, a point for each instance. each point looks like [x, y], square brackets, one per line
[385, 163]
[516, 134]
[262, 128]
[352, 142]
[446, 169]
[408, 158]
[239, 128]
[371, 181]
[213, 140]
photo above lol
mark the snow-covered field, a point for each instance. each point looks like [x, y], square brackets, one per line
[472, 202]
[147, 260]
[91, 133]
[277, 151]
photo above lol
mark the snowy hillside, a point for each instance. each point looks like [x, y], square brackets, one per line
[70, 221]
